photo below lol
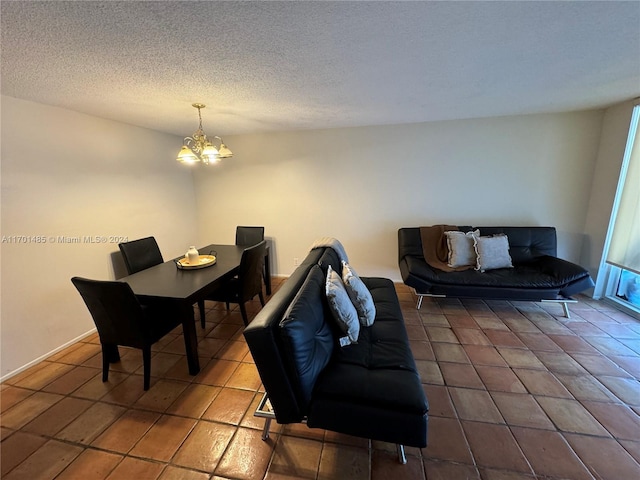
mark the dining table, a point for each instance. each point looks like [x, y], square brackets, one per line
[167, 282]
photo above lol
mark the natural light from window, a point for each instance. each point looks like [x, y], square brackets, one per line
[621, 256]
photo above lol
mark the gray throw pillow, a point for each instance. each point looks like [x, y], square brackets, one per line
[359, 294]
[462, 252]
[344, 313]
[493, 252]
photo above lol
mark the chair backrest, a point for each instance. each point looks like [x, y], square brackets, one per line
[115, 310]
[249, 235]
[250, 272]
[140, 254]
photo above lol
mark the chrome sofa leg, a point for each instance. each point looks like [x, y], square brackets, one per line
[401, 456]
[265, 430]
[564, 301]
[422, 295]
[265, 410]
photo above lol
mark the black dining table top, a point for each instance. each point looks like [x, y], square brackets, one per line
[168, 281]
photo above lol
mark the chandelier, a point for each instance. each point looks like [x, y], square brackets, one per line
[198, 148]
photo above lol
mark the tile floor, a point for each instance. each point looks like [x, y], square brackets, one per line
[516, 391]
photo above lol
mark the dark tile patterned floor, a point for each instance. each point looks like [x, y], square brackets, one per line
[517, 391]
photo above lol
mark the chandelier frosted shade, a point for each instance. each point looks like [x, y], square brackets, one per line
[224, 151]
[210, 154]
[187, 156]
[198, 148]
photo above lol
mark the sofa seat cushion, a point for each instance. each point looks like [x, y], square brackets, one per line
[375, 378]
[379, 370]
[379, 374]
[541, 273]
[384, 297]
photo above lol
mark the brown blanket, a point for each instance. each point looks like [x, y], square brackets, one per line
[434, 247]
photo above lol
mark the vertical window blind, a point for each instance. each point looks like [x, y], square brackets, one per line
[624, 249]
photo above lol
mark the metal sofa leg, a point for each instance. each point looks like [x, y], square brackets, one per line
[422, 295]
[401, 456]
[265, 430]
[265, 410]
[564, 301]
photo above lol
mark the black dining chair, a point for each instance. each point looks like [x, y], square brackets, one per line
[247, 236]
[247, 284]
[121, 320]
[140, 254]
[144, 253]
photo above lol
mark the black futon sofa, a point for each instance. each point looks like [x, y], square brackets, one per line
[537, 273]
[370, 389]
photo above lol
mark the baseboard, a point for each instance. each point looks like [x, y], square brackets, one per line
[47, 355]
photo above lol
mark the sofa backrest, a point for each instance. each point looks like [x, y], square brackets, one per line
[409, 242]
[330, 257]
[266, 345]
[525, 243]
[280, 332]
[308, 339]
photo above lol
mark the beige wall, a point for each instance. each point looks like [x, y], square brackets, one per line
[68, 174]
[362, 184]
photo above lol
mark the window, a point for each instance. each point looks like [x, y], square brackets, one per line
[629, 287]
[621, 257]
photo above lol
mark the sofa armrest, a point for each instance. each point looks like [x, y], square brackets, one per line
[560, 269]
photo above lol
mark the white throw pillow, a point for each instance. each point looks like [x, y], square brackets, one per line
[460, 245]
[342, 309]
[359, 294]
[493, 252]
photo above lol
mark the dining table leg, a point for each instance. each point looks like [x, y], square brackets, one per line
[190, 338]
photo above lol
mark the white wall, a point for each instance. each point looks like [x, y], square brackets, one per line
[615, 130]
[68, 174]
[362, 184]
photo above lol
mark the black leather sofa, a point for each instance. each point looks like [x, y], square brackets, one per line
[371, 389]
[537, 273]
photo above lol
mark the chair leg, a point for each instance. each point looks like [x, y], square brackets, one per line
[113, 355]
[146, 365]
[244, 314]
[105, 363]
[261, 298]
[201, 307]
[265, 278]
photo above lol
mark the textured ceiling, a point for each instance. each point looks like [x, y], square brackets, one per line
[265, 66]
